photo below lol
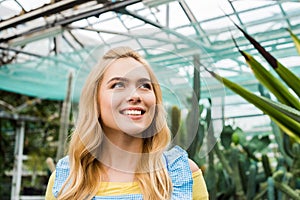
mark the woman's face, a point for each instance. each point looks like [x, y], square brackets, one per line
[126, 98]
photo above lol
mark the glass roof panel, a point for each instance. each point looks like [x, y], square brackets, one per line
[259, 14]
[217, 23]
[130, 22]
[246, 5]
[177, 16]
[9, 9]
[204, 10]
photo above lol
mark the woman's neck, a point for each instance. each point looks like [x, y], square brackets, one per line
[120, 155]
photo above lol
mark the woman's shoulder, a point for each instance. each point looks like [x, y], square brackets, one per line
[193, 166]
[178, 156]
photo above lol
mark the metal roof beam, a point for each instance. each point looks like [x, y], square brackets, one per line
[124, 11]
[190, 15]
[20, 51]
[41, 12]
[94, 11]
[185, 39]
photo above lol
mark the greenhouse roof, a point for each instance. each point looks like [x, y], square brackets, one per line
[43, 41]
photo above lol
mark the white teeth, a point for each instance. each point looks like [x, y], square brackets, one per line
[132, 112]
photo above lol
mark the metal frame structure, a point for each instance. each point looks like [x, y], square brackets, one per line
[61, 21]
[168, 40]
[169, 33]
[61, 15]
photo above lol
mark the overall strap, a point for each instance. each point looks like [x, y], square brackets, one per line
[180, 173]
[62, 172]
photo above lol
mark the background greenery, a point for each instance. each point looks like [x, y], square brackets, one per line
[39, 142]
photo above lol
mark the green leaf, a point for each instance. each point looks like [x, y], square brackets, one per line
[288, 124]
[271, 82]
[287, 110]
[226, 136]
[287, 76]
[259, 143]
[295, 40]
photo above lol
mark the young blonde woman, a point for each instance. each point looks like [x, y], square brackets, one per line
[120, 146]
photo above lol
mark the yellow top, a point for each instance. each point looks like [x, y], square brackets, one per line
[122, 188]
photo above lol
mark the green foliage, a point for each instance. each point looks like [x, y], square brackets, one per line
[6, 154]
[175, 118]
[242, 169]
[283, 181]
[39, 140]
[291, 79]
[226, 136]
[266, 165]
[184, 133]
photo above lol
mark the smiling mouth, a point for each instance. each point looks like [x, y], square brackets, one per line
[132, 112]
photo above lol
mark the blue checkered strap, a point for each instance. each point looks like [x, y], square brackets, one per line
[61, 174]
[180, 173]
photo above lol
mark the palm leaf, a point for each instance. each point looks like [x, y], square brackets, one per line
[287, 76]
[288, 124]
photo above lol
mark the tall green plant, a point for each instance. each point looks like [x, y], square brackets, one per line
[288, 124]
[285, 113]
[175, 120]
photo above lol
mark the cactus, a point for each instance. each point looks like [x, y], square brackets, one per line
[224, 183]
[295, 169]
[266, 165]
[234, 157]
[210, 176]
[193, 121]
[287, 190]
[271, 189]
[243, 166]
[251, 186]
[261, 194]
[223, 160]
[283, 187]
[279, 140]
[175, 123]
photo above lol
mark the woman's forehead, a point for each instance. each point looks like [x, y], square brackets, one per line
[126, 67]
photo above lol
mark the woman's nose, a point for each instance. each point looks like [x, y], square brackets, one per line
[134, 97]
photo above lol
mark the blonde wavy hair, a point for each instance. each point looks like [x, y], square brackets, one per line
[87, 138]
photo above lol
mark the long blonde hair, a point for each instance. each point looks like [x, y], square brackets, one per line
[87, 138]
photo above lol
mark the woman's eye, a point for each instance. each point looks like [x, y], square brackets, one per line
[118, 85]
[146, 86]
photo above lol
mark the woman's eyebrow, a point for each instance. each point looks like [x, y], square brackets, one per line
[117, 79]
[142, 80]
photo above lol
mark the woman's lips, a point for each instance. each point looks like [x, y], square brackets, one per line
[133, 113]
